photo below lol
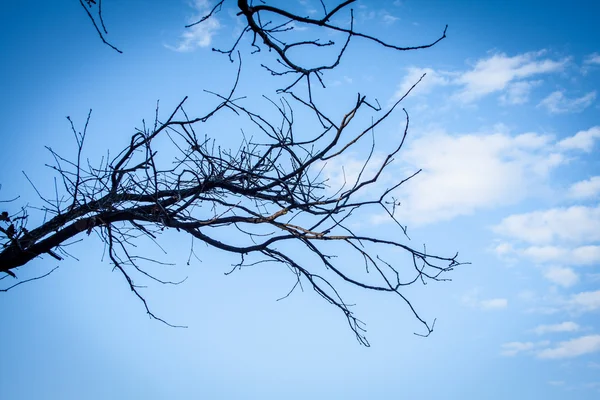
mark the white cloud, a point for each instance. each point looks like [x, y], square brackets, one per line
[497, 72]
[465, 173]
[462, 174]
[367, 14]
[562, 327]
[557, 103]
[472, 299]
[513, 348]
[582, 140]
[586, 255]
[582, 255]
[573, 304]
[494, 304]
[572, 348]
[431, 80]
[585, 301]
[199, 35]
[575, 224]
[389, 19]
[593, 58]
[518, 92]
[541, 254]
[532, 141]
[503, 249]
[561, 276]
[589, 188]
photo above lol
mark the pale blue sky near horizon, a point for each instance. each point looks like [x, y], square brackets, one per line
[506, 128]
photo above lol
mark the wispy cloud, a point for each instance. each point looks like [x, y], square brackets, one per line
[590, 62]
[366, 13]
[513, 348]
[389, 19]
[557, 103]
[496, 73]
[465, 173]
[544, 254]
[568, 326]
[566, 349]
[564, 277]
[462, 174]
[518, 92]
[511, 77]
[199, 35]
[593, 58]
[574, 304]
[494, 304]
[585, 255]
[431, 80]
[582, 140]
[576, 224]
[584, 302]
[586, 189]
[572, 348]
[472, 299]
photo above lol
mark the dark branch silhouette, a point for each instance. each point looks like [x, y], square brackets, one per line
[248, 201]
[101, 30]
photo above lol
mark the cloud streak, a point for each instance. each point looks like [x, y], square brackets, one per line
[557, 103]
[512, 349]
[585, 302]
[593, 59]
[495, 73]
[582, 140]
[576, 224]
[473, 300]
[199, 35]
[586, 189]
[513, 77]
[462, 174]
[466, 173]
[579, 255]
[572, 348]
[568, 326]
[564, 277]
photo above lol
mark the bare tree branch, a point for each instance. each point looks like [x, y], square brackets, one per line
[101, 33]
[27, 280]
[258, 201]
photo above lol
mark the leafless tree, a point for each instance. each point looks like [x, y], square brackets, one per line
[268, 195]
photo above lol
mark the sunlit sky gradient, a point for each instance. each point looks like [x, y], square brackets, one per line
[506, 128]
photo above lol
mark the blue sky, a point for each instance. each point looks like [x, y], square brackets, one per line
[505, 126]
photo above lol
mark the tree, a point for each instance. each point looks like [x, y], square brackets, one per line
[265, 194]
